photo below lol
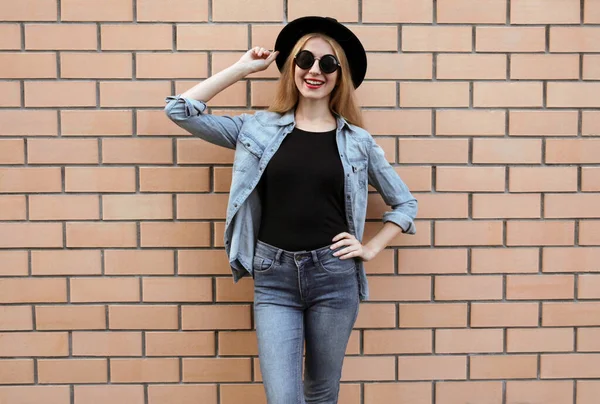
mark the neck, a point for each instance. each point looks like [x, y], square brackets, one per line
[314, 114]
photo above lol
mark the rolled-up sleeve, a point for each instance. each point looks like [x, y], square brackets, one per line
[191, 115]
[393, 190]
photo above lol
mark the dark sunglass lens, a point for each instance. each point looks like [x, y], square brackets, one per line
[305, 60]
[328, 64]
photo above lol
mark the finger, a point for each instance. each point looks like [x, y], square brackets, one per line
[351, 246]
[271, 57]
[351, 254]
[341, 235]
[341, 243]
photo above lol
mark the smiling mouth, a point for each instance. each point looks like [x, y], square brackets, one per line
[313, 83]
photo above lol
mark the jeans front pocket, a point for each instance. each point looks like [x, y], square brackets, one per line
[336, 266]
[262, 265]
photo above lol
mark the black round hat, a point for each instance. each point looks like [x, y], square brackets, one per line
[354, 50]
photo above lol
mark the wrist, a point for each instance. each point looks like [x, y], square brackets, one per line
[241, 70]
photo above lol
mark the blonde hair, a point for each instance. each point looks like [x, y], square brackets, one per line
[342, 99]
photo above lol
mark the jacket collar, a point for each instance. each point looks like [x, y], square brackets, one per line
[289, 118]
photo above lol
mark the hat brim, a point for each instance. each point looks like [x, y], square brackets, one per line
[353, 48]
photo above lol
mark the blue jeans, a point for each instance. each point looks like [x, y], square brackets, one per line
[304, 296]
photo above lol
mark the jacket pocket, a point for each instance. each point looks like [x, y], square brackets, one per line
[250, 144]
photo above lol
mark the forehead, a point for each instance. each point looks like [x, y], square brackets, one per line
[318, 46]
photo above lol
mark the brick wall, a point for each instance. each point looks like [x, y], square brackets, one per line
[114, 285]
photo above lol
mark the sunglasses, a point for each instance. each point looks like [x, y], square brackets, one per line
[305, 59]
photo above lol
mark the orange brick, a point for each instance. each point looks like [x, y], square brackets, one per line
[406, 122]
[468, 341]
[503, 367]
[588, 286]
[592, 15]
[180, 343]
[146, 317]
[264, 35]
[161, 289]
[587, 340]
[510, 39]
[16, 371]
[144, 370]
[560, 366]
[591, 67]
[342, 10]
[433, 315]
[70, 317]
[540, 233]
[45, 10]
[471, 179]
[185, 393]
[137, 36]
[424, 261]
[163, 10]
[377, 94]
[137, 151]
[237, 343]
[212, 37]
[574, 39]
[203, 262]
[479, 232]
[94, 343]
[539, 287]
[174, 179]
[590, 179]
[215, 317]
[100, 179]
[15, 263]
[468, 287]
[36, 394]
[397, 341]
[132, 207]
[152, 122]
[402, 393]
[198, 151]
[405, 288]
[504, 260]
[62, 151]
[572, 151]
[65, 262]
[570, 314]
[262, 93]
[12, 151]
[34, 344]
[391, 66]
[72, 371]
[545, 12]
[544, 67]
[20, 65]
[407, 11]
[572, 95]
[570, 259]
[96, 10]
[416, 178]
[96, 65]
[16, 318]
[96, 122]
[227, 291]
[513, 94]
[470, 123]
[543, 123]
[376, 315]
[368, 368]
[168, 65]
[31, 235]
[589, 232]
[547, 392]
[433, 150]
[182, 234]
[373, 37]
[10, 95]
[432, 367]
[437, 38]
[383, 263]
[101, 235]
[434, 94]
[264, 10]
[133, 94]
[471, 66]
[60, 94]
[114, 394]
[542, 179]
[430, 206]
[575, 206]
[507, 151]
[217, 370]
[591, 123]
[222, 179]
[471, 11]
[10, 35]
[12, 207]
[504, 314]
[63, 207]
[469, 392]
[491, 206]
[105, 289]
[60, 37]
[540, 340]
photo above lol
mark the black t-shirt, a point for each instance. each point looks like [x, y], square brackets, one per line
[302, 193]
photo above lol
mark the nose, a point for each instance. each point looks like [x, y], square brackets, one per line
[315, 69]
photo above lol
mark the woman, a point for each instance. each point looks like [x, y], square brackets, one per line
[298, 198]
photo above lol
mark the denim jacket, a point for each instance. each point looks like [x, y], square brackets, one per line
[256, 139]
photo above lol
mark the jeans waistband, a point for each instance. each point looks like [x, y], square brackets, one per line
[277, 253]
